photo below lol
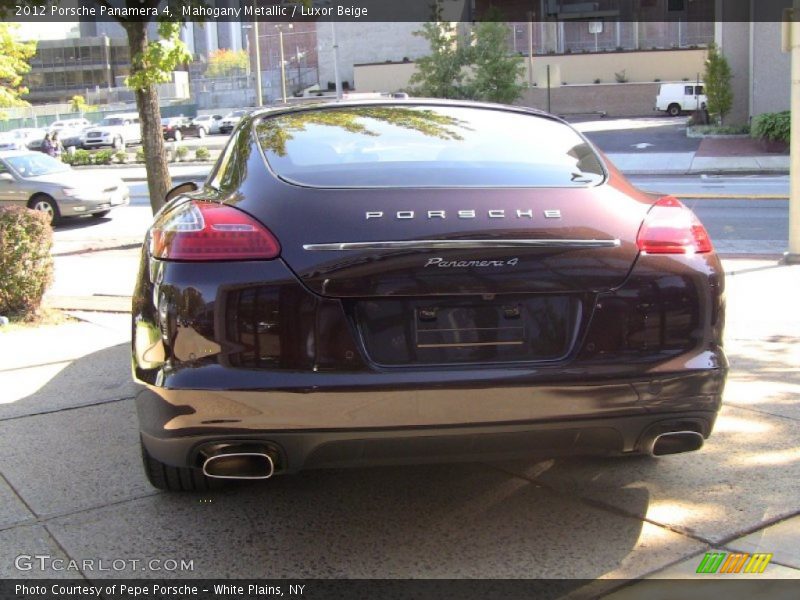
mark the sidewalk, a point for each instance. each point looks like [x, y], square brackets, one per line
[714, 156]
[72, 485]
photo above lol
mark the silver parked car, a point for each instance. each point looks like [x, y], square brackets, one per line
[43, 183]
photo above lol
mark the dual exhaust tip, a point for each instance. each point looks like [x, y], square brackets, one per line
[243, 463]
[675, 442]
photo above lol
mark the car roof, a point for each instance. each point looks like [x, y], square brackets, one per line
[306, 106]
[13, 153]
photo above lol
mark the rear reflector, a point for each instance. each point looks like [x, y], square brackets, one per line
[209, 231]
[671, 228]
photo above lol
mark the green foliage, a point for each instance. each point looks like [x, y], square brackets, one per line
[621, 77]
[181, 152]
[159, 59]
[202, 153]
[722, 129]
[14, 63]
[224, 62]
[717, 80]
[81, 157]
[773, 127]
[103, 157]
[25, 261]
[496, 74]
[139, 156]
[121, 156]
[439, 75]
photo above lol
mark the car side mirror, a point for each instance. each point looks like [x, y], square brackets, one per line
[7, 177]
[181, 188]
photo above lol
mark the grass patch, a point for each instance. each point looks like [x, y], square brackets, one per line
[44, 316]
[722, 129]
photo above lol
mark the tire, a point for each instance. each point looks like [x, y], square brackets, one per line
[178, 136]
[46, 204]
[101, 214]
[119, 143]
[175, 479]
[674, 110]
[201, 133]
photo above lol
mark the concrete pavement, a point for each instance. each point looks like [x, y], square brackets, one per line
[71, 485]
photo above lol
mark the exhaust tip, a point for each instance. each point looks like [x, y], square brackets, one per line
[675, 442]
[239, 465]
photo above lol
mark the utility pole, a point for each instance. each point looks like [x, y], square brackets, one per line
[283, 66]
[530, 49]
[336, 62]
[257, 49]
[793, 255]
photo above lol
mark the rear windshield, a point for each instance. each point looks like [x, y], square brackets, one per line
[426, 146]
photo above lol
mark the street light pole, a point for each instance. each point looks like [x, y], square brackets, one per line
[793, 256]
[257, 48]
[283, 66]
[336, 62]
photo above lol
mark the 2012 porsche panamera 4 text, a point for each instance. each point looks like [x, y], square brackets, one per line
[412, 281]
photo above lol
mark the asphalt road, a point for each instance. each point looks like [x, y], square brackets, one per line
[645, 134]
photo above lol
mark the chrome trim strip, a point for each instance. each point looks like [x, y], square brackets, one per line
[462, 244]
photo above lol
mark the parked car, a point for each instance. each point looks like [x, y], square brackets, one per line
[674, 98]
[116, 131]
[73, 137]
[231, 120]
[211, 123]
[413, 281]
[18, 139]
[68, 124]
[43, 183]
[177, 128]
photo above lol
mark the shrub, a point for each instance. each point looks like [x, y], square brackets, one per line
[202, 153]
[103, 157]
[774, 127]
[597, 80]
[25, 261]
[621, 77]
[82, 157]
[181, 152]
[717, 79]
[121, 156]
[140, 154]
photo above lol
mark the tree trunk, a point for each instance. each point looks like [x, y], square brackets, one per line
[155, 162]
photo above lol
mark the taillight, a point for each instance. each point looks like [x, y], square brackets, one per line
[671, 228]
[209, 231]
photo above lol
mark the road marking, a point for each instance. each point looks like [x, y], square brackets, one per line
[642, 145]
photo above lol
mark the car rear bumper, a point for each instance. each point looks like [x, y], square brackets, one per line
[374, 425]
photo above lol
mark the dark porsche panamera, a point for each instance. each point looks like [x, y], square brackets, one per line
[413, 281]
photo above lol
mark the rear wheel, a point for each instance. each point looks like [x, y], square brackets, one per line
[44, 203]
[175, 479]
[674, 110]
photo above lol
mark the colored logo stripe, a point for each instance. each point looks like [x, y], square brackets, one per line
[722, 562]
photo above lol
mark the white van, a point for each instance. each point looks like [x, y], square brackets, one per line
[674, 98]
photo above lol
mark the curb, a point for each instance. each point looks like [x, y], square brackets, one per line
[109, 304]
